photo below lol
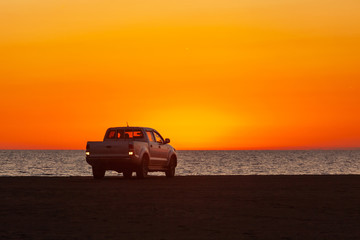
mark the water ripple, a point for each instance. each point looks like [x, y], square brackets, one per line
[72, 163]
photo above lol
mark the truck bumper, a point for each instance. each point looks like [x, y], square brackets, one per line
[116, 164]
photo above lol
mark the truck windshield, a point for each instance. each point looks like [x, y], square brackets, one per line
[124, 134]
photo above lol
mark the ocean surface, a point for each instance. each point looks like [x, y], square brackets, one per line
[72, 163]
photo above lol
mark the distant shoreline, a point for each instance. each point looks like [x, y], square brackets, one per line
[120, 177]
[305, 149]
[185, 207]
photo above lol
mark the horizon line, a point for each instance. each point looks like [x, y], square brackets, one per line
[243, 149]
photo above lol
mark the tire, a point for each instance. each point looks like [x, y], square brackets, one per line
[98, 172]
[170, 173]
[127, 174]
[142, 171]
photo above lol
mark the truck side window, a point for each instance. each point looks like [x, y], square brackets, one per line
[158, 138]
[150, 136]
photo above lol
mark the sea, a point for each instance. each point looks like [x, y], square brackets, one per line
[53, 163]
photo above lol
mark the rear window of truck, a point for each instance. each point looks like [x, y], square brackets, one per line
[124, 134]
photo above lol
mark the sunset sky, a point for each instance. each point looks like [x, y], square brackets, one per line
[225, 74]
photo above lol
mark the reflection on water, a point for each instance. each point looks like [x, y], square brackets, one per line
[72, 163]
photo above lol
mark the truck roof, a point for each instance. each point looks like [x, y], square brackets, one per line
[131, 128]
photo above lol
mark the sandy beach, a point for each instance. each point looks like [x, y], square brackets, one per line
[199, 207]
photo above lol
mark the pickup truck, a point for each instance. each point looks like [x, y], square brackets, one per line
[131, 149]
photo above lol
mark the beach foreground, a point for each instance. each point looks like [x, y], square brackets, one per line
[189, 207]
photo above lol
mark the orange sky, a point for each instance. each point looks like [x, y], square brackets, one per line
[241, 74]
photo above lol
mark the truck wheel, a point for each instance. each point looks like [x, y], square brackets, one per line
[143, 168]
[171, 170]
[98, 172]
[127, 174]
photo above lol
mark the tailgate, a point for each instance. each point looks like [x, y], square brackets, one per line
[108, 149]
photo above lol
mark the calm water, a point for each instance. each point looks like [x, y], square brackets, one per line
[72, 163]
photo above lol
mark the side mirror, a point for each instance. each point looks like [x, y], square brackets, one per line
[166, 140]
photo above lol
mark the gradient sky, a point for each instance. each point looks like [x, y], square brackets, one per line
[226, 74]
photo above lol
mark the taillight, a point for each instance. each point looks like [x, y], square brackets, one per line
[131, 149]
[87, 150]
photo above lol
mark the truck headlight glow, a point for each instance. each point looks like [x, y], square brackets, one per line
[87, 153]
[131, 153]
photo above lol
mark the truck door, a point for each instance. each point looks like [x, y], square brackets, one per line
[154, 149]
[162, 148]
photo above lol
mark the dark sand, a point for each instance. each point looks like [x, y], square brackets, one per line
[206, 207]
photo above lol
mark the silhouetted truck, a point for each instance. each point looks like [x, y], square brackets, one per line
[131, 149]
